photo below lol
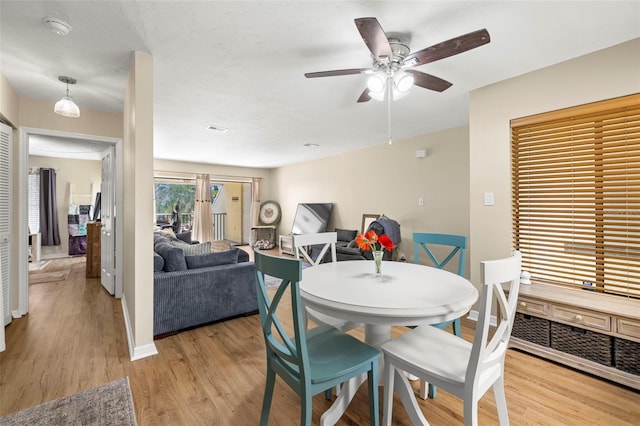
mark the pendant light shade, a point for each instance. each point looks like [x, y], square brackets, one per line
[65, 106]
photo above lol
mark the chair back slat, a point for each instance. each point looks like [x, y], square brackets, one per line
[487, 353]
[302, 242]
[290, 349]
[457, 244]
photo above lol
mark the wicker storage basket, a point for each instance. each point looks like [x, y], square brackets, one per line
[583, 343]
[531, 329]
[626, 355]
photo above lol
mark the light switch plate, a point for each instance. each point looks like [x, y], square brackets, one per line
[488, 199]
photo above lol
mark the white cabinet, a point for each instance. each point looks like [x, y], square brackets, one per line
[616, 319]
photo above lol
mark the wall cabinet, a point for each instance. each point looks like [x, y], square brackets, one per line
[591, 319]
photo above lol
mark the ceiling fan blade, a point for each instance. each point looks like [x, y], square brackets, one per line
[333, 73]
[429, 81]
[375, 38]
[365, 96]
[448, 48]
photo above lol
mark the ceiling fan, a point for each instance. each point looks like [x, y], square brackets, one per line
[392, 61]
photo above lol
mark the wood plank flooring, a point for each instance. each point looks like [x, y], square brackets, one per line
[74, 339]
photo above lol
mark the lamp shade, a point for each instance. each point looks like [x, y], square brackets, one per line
[67, 107]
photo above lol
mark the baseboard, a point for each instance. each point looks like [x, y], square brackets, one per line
[473, 316]
[135, 352]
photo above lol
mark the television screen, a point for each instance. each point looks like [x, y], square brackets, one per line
[311, 218]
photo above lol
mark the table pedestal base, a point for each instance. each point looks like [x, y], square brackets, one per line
[375, 335]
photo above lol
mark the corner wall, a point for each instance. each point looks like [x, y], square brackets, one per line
[137, 277]
[605, 74]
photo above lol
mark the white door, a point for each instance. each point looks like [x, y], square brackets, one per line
[107, 218]
[5, 220]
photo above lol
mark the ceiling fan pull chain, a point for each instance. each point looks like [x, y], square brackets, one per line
[389, 89]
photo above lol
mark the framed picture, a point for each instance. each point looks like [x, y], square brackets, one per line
[366, 221]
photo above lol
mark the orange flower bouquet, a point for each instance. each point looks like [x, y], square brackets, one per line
[377, 245]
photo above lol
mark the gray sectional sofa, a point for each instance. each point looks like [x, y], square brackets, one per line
[193, 286]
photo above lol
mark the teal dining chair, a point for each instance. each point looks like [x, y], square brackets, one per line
[309, 361]
[454, 244]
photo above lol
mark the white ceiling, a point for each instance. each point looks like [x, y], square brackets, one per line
[241, 65]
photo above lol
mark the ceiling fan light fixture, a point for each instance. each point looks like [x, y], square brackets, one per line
[65, 106]
[403, 81]
[376, 84]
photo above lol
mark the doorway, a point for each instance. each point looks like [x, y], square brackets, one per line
[113, 144]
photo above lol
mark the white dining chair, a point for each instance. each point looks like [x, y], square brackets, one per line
[302, 246]
[466, 370]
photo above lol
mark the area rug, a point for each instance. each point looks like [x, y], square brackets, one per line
[110, 404]
[47, 277]
[272, 282]
[38, 266]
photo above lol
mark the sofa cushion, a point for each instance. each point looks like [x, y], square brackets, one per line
[213, 259]
[346, 234]
[173, 257]
[243, 256]
[158, 262]
[193, 249]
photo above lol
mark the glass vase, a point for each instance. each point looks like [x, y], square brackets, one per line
[377, 260]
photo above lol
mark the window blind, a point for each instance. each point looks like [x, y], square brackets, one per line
[576, 195]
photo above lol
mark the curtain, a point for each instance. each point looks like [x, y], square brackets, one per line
[202, 220]
[48, 208]
[255, 201]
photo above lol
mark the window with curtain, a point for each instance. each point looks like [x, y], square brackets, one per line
[576, 196]
[168, 192]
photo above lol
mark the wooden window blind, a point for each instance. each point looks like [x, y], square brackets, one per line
[576, 195]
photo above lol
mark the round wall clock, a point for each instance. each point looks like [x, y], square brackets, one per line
[269, 213]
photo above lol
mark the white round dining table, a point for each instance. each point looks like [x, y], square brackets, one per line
[404, 294]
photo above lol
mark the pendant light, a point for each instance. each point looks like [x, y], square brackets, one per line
[66, 106]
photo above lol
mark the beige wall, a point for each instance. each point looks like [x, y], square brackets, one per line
[386, 179]
[24, 112]
[79, 173]
[137, 279]
[39, 114]
[8, 102]
[601, 75]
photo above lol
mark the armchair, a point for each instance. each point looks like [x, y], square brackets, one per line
[383, 225]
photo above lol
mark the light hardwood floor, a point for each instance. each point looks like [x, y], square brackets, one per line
[74, 339]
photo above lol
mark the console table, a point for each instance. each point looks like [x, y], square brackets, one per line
[570, 325]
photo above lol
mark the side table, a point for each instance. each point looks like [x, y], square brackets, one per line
[285, 244]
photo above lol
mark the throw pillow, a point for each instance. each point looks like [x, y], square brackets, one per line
[184, 236]
[173, 257]
[168, 232]
[158, 262]
[193, 249]
[346, 234]
[212, 259]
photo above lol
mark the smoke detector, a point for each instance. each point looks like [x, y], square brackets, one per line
[57, 25]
